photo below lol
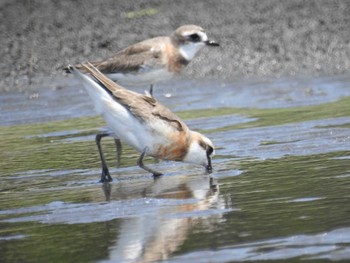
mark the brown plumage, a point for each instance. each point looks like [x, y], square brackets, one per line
[155, 59]
[146, 54]
[143, 106]
[143, 123]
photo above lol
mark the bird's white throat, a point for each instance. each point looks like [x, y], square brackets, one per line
[188, 51]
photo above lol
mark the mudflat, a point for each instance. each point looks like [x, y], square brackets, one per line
[258, 38]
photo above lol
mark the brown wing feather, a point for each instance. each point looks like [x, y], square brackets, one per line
[106, 82]
[133, 58]
[141, 106]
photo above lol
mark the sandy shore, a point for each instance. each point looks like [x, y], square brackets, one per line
[258, 38]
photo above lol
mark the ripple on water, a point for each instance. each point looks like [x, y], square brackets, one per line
[333, 245]
[303, 138]
[234, 221]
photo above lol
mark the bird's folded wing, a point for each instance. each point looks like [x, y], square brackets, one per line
[132, 59]
[143, 107]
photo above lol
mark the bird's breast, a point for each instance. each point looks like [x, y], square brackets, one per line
[175, 149]
[175, 61]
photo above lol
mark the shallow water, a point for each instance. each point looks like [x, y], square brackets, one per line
[279, 190]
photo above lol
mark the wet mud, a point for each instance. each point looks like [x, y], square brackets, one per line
[279, 189]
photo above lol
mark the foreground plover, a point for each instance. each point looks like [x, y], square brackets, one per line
[155, 59]
[143, 123]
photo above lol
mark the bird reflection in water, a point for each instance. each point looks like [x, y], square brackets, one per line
[156, 235]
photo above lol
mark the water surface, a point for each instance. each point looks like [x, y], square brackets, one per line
[279, 190]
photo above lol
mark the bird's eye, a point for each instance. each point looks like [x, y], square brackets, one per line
[210, 150]
[194, 38]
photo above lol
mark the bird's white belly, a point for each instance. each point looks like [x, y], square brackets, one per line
[136, 134]
[126, 127]
[123, 124]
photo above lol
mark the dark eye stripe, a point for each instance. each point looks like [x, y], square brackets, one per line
[194, 38]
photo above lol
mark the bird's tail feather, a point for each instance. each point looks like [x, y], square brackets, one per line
[96, 91]
[110, 85]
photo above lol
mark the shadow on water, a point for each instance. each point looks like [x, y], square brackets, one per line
[279, 190]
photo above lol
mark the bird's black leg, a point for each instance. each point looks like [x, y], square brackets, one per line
[105, 176]
[151, 90]
[118, 147]
[141, 165]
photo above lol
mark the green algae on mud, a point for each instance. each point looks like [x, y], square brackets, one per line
[276, 116]
[273, 198]
[30, 147]
[71, 243]
[28, 150]
[43, 164]
[37, 147]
